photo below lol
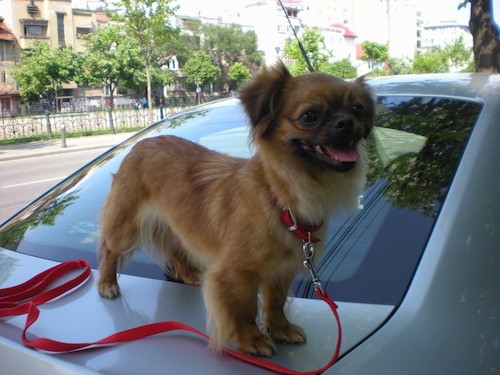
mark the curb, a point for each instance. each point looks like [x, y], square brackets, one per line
[54, 152]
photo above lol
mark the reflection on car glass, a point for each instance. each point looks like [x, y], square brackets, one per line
[416, 146]
[233, 142]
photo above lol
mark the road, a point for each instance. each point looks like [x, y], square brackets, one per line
[23, 180]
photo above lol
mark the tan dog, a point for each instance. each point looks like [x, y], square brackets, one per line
[213, 215]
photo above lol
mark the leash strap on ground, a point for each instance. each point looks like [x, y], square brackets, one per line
[24, 299]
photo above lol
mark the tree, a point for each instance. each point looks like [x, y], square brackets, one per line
[43, 70]
[434, 61]
[199, 70]
[399, 66]
[458, 54]
[238, 73]
[147, 22]
[375, 53]
[110, 59]
[485, 35]
[314, 43]
[342, 69]
[227, 45]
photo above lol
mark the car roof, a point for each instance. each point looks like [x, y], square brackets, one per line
[465, 85]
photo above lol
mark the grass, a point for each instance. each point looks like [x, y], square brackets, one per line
[72, 134]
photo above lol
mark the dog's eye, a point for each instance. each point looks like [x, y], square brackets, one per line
[309, 117]
[358, 109]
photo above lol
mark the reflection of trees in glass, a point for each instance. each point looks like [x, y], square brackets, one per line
[7, 265]
[178, 121]
[11, 235]
[419, 179]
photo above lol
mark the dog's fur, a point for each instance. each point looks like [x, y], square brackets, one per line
[216, 219]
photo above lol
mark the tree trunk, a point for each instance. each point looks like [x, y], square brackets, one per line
[150, 102]
[111, 107]
[486, 37]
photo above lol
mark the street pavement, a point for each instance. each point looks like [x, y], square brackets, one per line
[55, 146]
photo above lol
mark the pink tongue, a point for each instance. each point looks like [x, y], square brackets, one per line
[346, 155]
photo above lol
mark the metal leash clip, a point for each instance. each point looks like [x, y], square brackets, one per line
[308, 249]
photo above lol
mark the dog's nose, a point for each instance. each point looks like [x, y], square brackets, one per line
[343, 123]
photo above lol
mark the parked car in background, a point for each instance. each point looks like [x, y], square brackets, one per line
[415, 271]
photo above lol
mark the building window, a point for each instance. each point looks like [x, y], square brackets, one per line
[3, 77]
[2, 52]
[33, 30]
[83, 31]
[60, 29]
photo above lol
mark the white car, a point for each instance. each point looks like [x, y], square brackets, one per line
[415, 271]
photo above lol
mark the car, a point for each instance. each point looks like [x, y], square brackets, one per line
[414, 271]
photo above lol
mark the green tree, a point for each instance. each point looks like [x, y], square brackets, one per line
[200, 71]
[399, 66]
[375, 53]
[227, 45]
[147, 23]
[458, 54]
[342, 69]
[314, 43]
[431, 62]
[43, 70]
[109, 60]
[238, 73]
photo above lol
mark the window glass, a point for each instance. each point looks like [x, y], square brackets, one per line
[415, 148]
[33, 30]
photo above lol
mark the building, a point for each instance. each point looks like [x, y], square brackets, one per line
[24, 22]
[438, 35]
[9, 95]
[268, 19]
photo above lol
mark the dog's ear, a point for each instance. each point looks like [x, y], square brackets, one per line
[368, 101]
[262, 97]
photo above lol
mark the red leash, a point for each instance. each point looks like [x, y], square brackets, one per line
[24, 299]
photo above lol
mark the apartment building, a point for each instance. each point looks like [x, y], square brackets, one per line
[23, 22]
[438, 35]
[9, 95]
[268, 18]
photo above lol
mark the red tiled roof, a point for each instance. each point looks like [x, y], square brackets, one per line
[5, 33]
[101, 17]
[6, 89]
[347, 32]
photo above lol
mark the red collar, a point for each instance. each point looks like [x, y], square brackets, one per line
[300, 231]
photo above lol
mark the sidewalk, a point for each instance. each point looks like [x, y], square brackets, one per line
[54, 146]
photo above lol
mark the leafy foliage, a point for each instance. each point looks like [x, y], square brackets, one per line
[43, 70]
[458, 55]
[200, 70]
[110, 60]
[227, 45]
[238, 73]
[147, 23]
[341, 69]
[375, 53]
[314, 43]
[431, 62]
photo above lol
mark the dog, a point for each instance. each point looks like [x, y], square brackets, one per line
[215, 219]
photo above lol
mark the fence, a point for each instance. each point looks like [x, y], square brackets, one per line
[29, 126]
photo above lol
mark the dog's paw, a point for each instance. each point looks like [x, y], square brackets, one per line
[192, 279]
[289, 333]
[108, 290]
[259, 346]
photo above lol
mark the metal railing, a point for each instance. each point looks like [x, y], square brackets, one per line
[48, 124]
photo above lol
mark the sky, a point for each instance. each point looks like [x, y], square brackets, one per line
[444, 10]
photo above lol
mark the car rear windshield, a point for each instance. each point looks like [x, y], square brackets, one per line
[369, 257]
